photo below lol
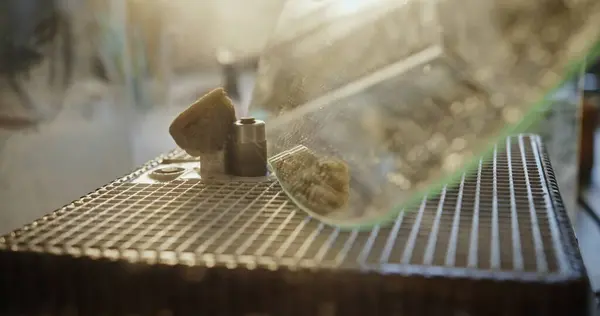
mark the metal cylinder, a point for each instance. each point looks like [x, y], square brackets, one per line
[248, 148]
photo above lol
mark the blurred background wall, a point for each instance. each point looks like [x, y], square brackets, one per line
[137, 63]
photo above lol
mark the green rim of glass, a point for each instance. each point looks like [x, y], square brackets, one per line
[532, 117]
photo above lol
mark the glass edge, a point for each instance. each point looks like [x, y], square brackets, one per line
[530, 118]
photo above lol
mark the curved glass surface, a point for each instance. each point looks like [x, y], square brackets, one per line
[376, 104]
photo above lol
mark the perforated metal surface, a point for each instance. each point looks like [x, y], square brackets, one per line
[500, 218]
[505, 222]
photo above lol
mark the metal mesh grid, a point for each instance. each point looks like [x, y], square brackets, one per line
[180, 155]
[501, 218]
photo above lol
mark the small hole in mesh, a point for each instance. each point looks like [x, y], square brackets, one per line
[117, 198]
[237, 194]
[146, 201]
[211, 189]
[253, 194]
[452, 191]
[281, 198]
[449, 204]
[162, 192]
[503, 196]
[469, 196]
[539, 201]
[181, 189]
[172, 207]
[503, 183]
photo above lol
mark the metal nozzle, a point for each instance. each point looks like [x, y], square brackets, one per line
[248, 148]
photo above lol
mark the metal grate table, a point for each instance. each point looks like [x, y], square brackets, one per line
[497, 244]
